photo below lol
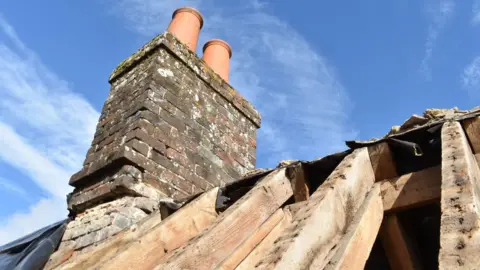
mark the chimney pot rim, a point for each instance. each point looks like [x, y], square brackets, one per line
[192, 10]
[220, 42]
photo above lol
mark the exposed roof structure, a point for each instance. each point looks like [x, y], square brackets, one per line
[323, 214]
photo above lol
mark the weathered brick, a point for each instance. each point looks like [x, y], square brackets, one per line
[180, 158]
[178, 181]
[172, 120]
[146, 142]
[139, 146]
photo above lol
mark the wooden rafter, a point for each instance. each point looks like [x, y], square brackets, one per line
[472, 130]
[236, 257]
[397, 245]
[354, 249]
[321, 222]
[256, 255]
[234, 226]
[460, 203]
[296, 174]
[382, 161]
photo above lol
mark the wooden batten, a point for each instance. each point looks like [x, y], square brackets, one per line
[411, 190]
[137, 249]
[472, 130]
[398, 247]
[257, 253]
[460, 203]
[382, 161]
[233, 227]
[354, 249]
[321, 221]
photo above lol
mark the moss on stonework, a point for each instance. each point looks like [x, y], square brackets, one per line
[125, 64]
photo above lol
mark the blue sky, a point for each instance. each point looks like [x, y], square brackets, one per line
[320, 72]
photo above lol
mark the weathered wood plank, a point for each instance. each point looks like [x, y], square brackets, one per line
[321, 221]
[397, 246]
[296, 174]
[234, 226]
[472, 130]
[133, 249]
[460, 205]
[412, 189]
[382, 161]
[353, 250]
[257, 253]
[248, 245]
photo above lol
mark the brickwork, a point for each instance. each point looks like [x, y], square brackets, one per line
[173, 124]
[170, 128]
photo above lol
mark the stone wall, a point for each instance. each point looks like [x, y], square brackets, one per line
[170, 128]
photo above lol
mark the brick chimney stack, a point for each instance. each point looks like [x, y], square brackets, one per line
[171, 127]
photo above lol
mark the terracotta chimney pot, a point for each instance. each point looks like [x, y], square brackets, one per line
[185, 26]
[217, 54]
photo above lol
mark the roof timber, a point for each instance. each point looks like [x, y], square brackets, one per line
[331, 207]
[248, 245]
[472, 130]
[354, 249]
[459, 229]
[300, 187]
[256, 254]
[234, 226]
[382, 161]
[397, 245]
[411, 190]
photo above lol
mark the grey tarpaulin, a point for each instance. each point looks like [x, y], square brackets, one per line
[32, 251]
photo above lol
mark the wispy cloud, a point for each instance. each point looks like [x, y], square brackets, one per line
[9, 186]
[304, 106]
[471, 77]
[439, 12]
[46, 129]
[476, 12]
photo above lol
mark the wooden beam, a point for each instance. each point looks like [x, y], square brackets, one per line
[257, 253]
[320, 223]
[234, 226]
[296, 174]
[398, 247]
[354, 249]
[382, 161]
[247, 246]
[134, 249]
[411, 190]
[460, 202]
[472, 130]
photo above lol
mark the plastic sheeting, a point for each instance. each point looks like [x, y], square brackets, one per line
[32, 251]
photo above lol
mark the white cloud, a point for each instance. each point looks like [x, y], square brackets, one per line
[22, 155]
[46, 129]
[304, 106]
[439, 12]
[42, 213]
[471, 77]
